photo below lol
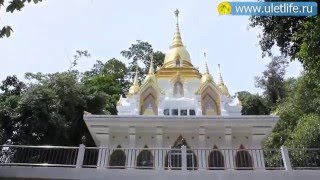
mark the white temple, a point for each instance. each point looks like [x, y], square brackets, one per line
[177, 105]
[178, 124]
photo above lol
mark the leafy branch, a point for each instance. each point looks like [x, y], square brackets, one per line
[14, 5]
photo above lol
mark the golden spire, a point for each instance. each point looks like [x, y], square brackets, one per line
[134, 89]
[151, 69]
[206, 76]
[177, 50]
[177, 41]
[223, 88]
[135, 80]
[206, 70]
[151, 74]
[220, 82]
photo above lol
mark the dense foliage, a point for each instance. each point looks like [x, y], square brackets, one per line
[48, 108]
[297, 38]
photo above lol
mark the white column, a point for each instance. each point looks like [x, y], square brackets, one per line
[80, 156]
[183, 158]
[229, 153]
[257, 152]
[285, 158]
[132, 144]
[103, 156]
[158, 155]
[202, 156]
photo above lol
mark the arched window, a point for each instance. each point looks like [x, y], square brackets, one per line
[148, 99]
[149, 106]
[210, 101]
[210, 107]
[178, 63]
[145, 159]
[243, 159]
[173, 158]
[117, 159]
[216, 159]
[178, 89]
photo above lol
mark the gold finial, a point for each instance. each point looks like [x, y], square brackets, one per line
[220, 77]
[222, 86]
[206, 76]
[134, 89]
[206, 70]
[176, 12]
[151, 69]
[177, 41]
[135, 80]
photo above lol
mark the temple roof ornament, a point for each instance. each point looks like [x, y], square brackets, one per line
[206, 76]
[150, 74]
[177, 40]
[151, 69]
[177, 49]
[134, 89]
[223, 88]
[151, 78]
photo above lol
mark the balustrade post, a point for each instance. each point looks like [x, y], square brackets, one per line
[184, 158]
[80, 156]
[158, 154]
[285, 158]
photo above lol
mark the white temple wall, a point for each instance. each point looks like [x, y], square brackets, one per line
[189, 87]
[192, 138]
[121, 139]
[148, 139]
[243, 138]
[217, 139]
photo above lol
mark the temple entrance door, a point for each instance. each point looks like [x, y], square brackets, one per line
[174, 157]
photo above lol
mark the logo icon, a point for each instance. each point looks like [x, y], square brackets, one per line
[224, 8]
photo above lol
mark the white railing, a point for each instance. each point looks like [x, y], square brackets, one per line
[160, 159]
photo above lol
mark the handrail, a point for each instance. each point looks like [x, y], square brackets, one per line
[160, 158]
[42, 146]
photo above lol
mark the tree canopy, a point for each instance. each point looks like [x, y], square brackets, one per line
[142, 51]
[47, 109]
[299, 39]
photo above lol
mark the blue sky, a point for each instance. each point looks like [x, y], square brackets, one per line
[46, 36]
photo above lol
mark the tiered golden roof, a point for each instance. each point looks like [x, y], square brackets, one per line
[177, 63]
[177, 58]
[177, 50]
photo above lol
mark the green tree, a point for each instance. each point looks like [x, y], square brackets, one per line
[51, 112]
[305, 135]
[252, 104]
[142, 51]
[13, 5]
[272, 80]
[11, 88]
[300, 101]
[296, 37]
[108, 81]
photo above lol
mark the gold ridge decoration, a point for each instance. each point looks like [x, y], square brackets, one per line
[206, 76]
[134, 89]
[223, 88]
[151, 79]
